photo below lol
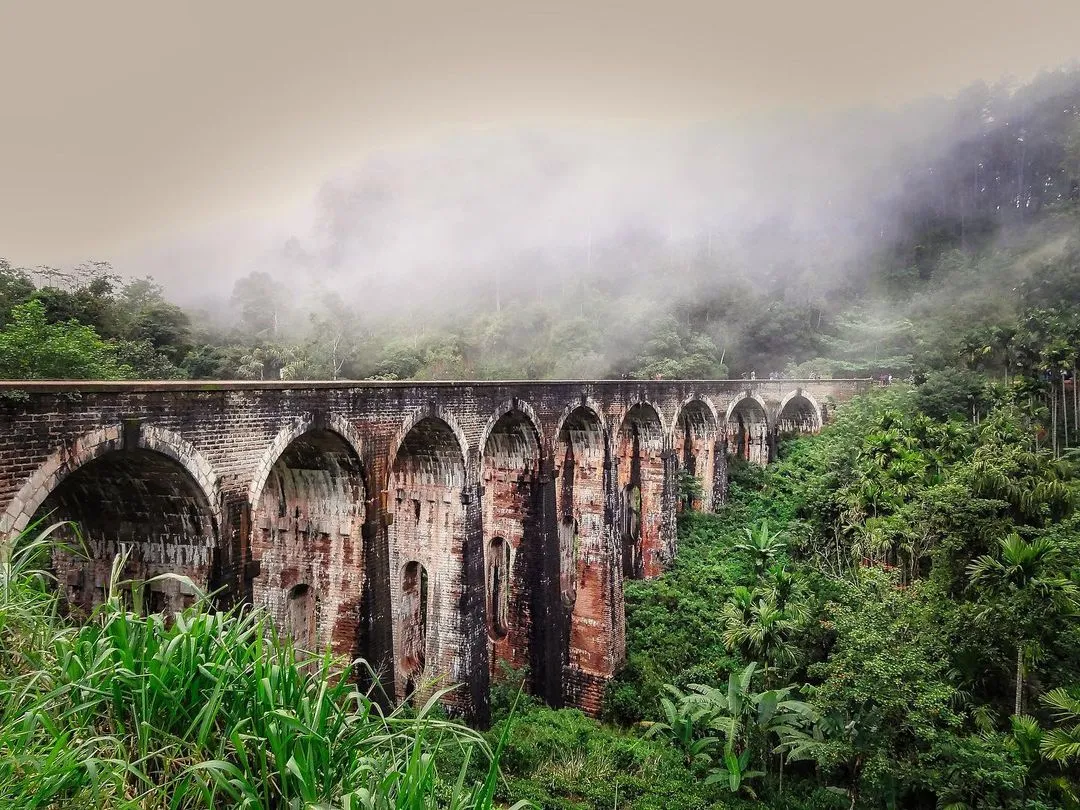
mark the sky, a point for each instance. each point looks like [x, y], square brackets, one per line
[151, 134]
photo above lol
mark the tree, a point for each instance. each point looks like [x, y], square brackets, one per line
[333, 335]
[756, 626]
[674, 351]
[690, 489]
[145, 315]
[1022, 586]
[1062, 744]
[32, 348]
[746, 722]
[888, 713]
[16, 287]
[260, 300]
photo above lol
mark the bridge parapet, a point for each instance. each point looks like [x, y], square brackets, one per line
[435, 528]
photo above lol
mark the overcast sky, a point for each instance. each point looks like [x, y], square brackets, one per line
[125, 126]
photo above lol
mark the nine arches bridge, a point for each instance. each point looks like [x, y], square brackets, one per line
[434, 529]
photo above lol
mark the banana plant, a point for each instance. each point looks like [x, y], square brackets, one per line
[686, 725]
[744, 720]
[736, 772]
[762, 545]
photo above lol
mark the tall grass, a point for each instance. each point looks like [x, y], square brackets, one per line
[200, 709]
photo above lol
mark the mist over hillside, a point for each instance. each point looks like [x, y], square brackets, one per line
[794, 244]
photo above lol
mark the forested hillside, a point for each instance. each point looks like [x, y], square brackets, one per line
[944, 246]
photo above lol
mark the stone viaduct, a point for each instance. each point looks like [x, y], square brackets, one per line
[434, 529]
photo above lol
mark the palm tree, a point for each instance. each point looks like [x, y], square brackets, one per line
[787, 591]
[754, 625]
[1062, 744]
[1021, 583]
[883, 446]
[762, 545]
[906, 472]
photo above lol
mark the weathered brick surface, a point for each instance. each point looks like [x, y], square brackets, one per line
[695, 447]
[505, 513]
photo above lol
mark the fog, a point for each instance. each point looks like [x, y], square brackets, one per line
[618, 224]
[483, 219]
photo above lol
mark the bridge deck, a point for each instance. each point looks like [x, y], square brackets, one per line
[287, 385]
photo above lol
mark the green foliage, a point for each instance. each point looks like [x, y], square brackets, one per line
[84, 324]
[562, 760]
[921, 556]
[762, 545]
[673, 635]
[675, 352]
[16, 287]
[32, 348]
[689, 488]
[889, 718]
[721, 729]
[755, 625]
[1062, 744]
[201, 709]
[952, 393]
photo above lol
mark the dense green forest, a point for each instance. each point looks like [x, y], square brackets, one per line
[885, 618]
[950, 248]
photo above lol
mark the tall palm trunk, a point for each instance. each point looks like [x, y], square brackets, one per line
[1031, 409]
[1019, 677]
[1053, 422]
[1064, 412]
[1076, 403]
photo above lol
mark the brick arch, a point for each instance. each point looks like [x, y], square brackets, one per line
[625, 412]
[752, 441]
[511, 448]
[309, 505]
[92, 446]
[510, 406]
[593, 407]
[587, 570]
[800, 393]
[335, 423]
[640, 447]
[709, 406]
[743, 398]
[696, 444]
[431, 523]
[429, 411]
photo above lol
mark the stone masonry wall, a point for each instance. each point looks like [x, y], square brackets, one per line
[302, 497]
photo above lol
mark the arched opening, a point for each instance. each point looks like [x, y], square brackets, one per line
[641, 491]
[799, 416]
[748, 431]
[301, 617]
[498, 586]
[569, 544]
[513, 555]
[584, 575]
[695, 446]
[307, 541]
[427, 528]
[135, 502]
[414, 612]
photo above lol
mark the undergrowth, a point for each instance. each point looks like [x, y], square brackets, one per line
[204, 708]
